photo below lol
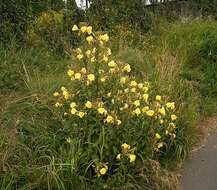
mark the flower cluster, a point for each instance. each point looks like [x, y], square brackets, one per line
[126, 152]
[101, 169]
[105, 90]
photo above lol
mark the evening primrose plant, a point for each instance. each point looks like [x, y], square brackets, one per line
[118, 119]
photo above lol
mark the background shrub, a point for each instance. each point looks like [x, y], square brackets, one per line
[106, 14]
[14, 19]
[48, 29]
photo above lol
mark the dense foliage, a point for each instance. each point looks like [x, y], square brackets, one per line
[16, 15]
[105, 15]
[130, 13]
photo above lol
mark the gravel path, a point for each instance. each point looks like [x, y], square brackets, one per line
[200, 171]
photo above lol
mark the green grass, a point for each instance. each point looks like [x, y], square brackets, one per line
[180, 63]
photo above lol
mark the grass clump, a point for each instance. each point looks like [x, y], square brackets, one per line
[195, 45]
[19, 65]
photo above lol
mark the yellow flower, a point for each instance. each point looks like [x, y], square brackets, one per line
[133, 90]
[88, 53]
[123, 80]
[127, 68]
[137, 111]
[78, 50]
[145, 109]
[83, 70]
[105, 58]
[109, 52]
[158, 98]
[119, 122]
[161, 121]
[126, 90]
[73, 105]
[83, 29]
[145, 89]
[147, 84]
[89, 39]
[94, 50]
[87, 82]
[150, 113]
[126, 106]
[160, 145]
[145, 97]
[113, 101]
[101, 71]
[140, 85]
[103, 171]
[91, 77]
[133, 83]
[66, 94]
[58, 104]
[73, 111]
[88, 104]
[80, 56]
[70, 73]
[170, 105]
[132, 157]
[118, 157]
[104, 38]
[103, 79]
[112, 64]
[55, 94]
[102, 110]
[100, 104]
[136, 103]
[89, 30]
[63, 88]
[93, 59]
[157, 136]
[166, 132]
[125, 147]
[75, 28]
[78, 76]
[162, 111]
[109, 119]
[172, 125]
[173, 117]
[112, 70]
[69, 140]
[81, 114]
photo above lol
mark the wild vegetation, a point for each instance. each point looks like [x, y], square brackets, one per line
[103, 104]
